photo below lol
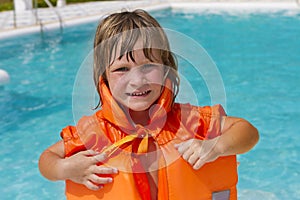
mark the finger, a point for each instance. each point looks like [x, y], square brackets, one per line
[100, 157]
[187, 154]
[205, 159]
[200, 162]
[92, 186]
[100, 180]
[105, 170]
[183, 146]
[193, 159]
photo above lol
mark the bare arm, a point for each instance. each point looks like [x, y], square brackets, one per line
[51, 162]
[80, 168]
[238, 137]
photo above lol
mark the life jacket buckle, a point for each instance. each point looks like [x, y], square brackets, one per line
[221, 195]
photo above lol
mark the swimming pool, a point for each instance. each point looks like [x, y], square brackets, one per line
[257, 55]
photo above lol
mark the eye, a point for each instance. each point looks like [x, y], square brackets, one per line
[121, 69]
[149, 66]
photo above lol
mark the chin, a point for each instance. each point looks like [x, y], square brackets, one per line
[139, 108]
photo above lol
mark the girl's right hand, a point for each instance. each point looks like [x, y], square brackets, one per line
[82, 168]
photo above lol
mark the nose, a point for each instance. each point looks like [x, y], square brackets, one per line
[136, 77]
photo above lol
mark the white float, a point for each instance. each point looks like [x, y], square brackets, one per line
[4, 77]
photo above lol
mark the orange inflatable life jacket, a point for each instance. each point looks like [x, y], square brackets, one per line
[170, 123]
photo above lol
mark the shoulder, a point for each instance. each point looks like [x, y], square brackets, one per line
[201, 121]
[68, 132]
[90, 124]
[215, 110]
[84, 125]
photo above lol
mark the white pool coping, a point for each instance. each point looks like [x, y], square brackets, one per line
[240, 6]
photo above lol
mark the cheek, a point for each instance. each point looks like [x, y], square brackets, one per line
[115, 84]
[156, 77]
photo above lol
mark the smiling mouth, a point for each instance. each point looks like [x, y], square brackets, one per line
[138, 94]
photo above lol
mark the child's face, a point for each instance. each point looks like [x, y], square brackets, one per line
[136, 85]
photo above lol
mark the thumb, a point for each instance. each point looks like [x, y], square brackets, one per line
[186, 143]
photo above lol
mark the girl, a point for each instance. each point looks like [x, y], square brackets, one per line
[141, 144]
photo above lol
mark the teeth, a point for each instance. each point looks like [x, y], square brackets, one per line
[139, 93]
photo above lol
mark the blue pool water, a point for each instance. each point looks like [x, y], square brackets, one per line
[257, 55]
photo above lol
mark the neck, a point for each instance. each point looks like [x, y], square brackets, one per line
[140, 117]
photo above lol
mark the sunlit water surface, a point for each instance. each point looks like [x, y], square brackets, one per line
[257, 55]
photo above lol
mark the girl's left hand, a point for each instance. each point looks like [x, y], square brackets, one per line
[198, 152]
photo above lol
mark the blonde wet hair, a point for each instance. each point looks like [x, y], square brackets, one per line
[122, 31]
